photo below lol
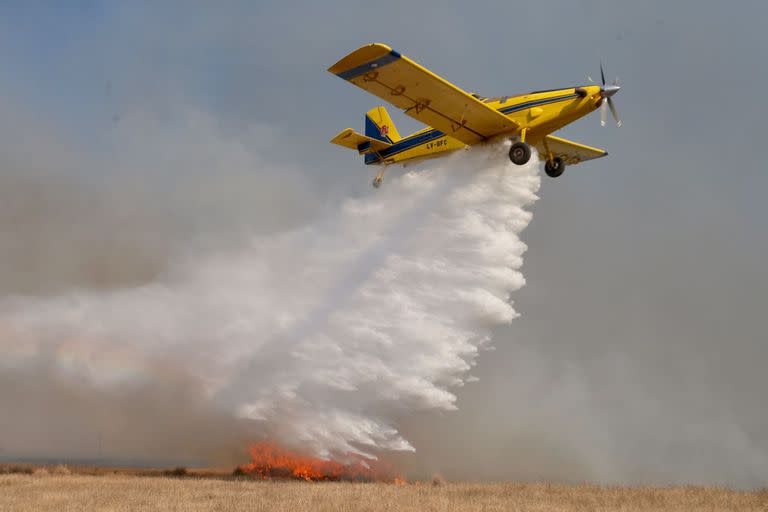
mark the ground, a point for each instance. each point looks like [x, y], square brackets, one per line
[56, 490]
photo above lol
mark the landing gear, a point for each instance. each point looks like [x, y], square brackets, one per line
[554, 167]
[520, 153]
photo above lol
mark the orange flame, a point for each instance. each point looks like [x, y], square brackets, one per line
[270, 461]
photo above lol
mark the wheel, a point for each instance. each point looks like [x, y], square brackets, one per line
[377, 182]
[555, 167]
[520, 153]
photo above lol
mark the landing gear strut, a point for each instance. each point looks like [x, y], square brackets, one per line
[520, 153]
[554, 167]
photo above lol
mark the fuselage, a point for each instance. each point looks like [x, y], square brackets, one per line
[538, 113]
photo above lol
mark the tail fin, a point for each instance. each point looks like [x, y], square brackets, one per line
[378, 125]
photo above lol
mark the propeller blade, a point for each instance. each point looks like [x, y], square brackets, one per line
[602, 75]
[613, 113]
[590, 79]
[603, 113]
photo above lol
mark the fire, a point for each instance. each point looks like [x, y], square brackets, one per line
[270, 461]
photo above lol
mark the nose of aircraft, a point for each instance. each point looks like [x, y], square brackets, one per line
[610, 90]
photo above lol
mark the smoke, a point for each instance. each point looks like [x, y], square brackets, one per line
[155, 191]
[184, 292]
[319, 336]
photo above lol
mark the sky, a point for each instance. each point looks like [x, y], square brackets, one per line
[640, 352]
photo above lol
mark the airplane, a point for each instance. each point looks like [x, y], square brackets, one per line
[457, 119]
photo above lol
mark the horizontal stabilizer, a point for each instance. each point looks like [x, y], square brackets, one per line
[349, 138]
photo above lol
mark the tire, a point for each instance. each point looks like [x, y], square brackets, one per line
[520, 153]
[554, 168]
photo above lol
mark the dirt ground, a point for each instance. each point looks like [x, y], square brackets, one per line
[56, 490]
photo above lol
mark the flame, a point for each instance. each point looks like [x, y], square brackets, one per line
[270, 461]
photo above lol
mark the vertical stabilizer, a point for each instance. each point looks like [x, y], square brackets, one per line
[378, 125]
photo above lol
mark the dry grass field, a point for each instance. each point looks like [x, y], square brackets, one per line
[48, 491]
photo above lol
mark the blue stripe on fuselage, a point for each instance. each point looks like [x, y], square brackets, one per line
[405, 145]
[534, 103]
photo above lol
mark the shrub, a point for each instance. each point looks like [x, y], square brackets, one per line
[17, 469]
[178, 471]
[438, 480]
[60, 469]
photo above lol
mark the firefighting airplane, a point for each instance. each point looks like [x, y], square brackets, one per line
[457, 119]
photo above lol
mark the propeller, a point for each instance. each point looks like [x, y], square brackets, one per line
[606, 92]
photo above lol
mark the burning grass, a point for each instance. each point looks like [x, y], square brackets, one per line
[120, 492]
[269, 461]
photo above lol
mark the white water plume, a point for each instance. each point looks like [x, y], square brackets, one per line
[320, 336]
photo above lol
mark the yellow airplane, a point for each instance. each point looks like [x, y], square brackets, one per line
[457, 119]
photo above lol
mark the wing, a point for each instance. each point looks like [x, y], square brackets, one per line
[571, 152]
[349, 138]
[422, 94]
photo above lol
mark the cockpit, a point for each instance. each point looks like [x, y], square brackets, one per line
[497, 99]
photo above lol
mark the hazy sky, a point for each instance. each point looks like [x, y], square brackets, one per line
[640, 353]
